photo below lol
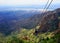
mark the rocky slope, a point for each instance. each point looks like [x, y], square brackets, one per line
[50, 22]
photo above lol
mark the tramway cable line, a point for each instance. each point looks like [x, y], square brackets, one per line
[45, 9]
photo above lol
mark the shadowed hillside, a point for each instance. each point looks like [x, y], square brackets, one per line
[11, 20]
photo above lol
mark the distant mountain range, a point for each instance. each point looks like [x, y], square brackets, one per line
[11, 20]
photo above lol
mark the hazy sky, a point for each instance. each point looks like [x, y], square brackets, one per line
[28, 3]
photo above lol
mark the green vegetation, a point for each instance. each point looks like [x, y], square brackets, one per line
[27, 36]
